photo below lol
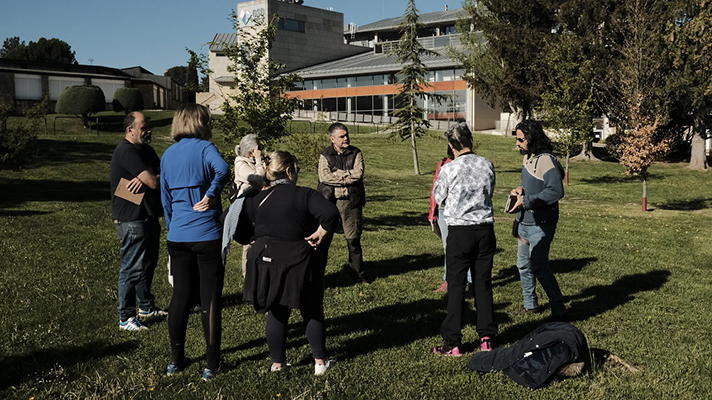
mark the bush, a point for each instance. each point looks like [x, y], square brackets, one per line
[612, 144]
[17, 144]
[306, 146]
[81, 100]
[128, 100]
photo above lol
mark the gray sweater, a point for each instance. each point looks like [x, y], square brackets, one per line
[541, 180]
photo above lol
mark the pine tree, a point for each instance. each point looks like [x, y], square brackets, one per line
[410, 123]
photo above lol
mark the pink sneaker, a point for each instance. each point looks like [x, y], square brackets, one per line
[486, 343]
[446, 350]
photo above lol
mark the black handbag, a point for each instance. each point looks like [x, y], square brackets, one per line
[515, 228]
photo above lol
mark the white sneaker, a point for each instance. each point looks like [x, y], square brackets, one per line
[284, 367]
[131, 324]
[320, 369]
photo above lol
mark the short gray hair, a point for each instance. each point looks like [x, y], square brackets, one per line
[247, 144]
[459, 136]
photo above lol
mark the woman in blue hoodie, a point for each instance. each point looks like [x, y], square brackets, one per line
[193, 173]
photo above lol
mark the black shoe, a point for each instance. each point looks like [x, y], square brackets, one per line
[524, 310]
[559, 318]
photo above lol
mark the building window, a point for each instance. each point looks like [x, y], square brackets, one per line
[449, 30]
[109, 87]
[364, 80]
[329, 104]
[293, 25]
[28, 87]
[328, 83]
[57, 85]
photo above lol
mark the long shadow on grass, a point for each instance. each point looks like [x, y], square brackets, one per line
[619, 179]
[386, 327]
[391, 222]
[596, 300]
[16, 191]
[40, 364]
[384, 268]
[601, 298]
[61, 152]
[21, 213]
[686, 205]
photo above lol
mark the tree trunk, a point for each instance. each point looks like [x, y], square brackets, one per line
[586, 153]
[645, 195]
[412, 140]
[698, 157]
[566, 170]
[415, 150]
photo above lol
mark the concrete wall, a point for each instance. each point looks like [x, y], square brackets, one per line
[321, 41]
[484, 116]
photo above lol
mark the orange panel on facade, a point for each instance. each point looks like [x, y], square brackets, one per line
[371, 90]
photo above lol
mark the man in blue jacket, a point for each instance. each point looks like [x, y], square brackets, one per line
[537, 209]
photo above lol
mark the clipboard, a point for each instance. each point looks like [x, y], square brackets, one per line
[124, 193]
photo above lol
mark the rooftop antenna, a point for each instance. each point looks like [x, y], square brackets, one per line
[91, 61]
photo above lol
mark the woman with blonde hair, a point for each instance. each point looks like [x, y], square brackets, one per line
[285, 266]
[193, 173]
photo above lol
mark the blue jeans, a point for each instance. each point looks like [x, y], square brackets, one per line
[139, 256]
[533, 265]
[443, 235]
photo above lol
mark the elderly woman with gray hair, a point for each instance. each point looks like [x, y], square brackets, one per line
[249, 166]
[249, 171]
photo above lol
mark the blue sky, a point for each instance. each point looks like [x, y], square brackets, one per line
[154, 34]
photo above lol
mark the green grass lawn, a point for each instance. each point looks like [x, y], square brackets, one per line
[637, 284]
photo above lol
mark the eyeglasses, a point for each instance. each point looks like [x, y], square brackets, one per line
[520, 140]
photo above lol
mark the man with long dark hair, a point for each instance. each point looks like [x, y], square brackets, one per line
[537, 209]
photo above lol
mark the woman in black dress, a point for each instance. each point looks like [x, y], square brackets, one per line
[285, 266]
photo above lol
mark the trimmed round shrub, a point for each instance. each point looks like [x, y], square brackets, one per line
[128, 100]
[81, 100]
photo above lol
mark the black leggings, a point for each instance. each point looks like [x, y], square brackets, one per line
[186, 258]
[312, 309]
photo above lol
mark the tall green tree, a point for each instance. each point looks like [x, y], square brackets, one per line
[410, 123]
[568, 99]
[691, 37]
[198, 72]
[258, 104]
[13, 48]
[636, 92]
[179, 73]
[502, 54]
[193, 76]
[47, 50]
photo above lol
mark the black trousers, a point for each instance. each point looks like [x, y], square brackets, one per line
[469, 248]
[186, 259]
[312, 309]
